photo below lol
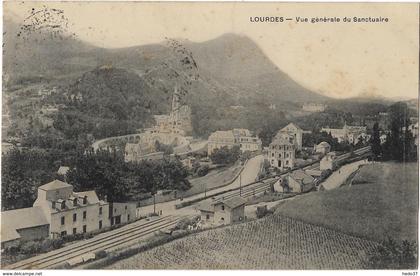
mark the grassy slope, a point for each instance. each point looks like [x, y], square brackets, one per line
[214, 179]
[274, 242]
[382, 202]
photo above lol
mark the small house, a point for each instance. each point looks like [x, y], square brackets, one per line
[223, 212]
[207, 211]
[23, 224]
[122, 212]
[299, 182]
[280, 185]
[314, 173]
[322, 148]
[328, 162]
[230, 210]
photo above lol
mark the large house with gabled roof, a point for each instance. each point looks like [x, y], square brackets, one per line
[69, 212]
[281, 153]
[292, 132]
[59, 211]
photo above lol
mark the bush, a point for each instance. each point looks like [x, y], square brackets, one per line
[34, 247]
[183, 224]
[261, 211]
[394, 255]
[30, 247]
[203, 170]
[225, 155]
[100, 254]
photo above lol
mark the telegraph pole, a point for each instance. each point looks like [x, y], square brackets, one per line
[240, 184]
[154, 203]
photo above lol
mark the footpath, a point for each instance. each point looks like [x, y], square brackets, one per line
[337, 178]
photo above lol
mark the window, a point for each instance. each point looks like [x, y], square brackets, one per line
[84, 228]
[223, 207]
[74, 231]
[84, 214]
[63, 233]
[128, 217]
[126, 207]
[63, 204]
[100, 224]
[74, 217]
[207, 216]
[85, 200]
[62, 220]
[100, 210]
[75, 202]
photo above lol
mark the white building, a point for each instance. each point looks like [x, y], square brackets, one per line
[220, 139]
[322, 148]
[59, 211]
[281, 153]
[246, 141]
[328, 162]
[223, 212]
[349, 134]
[292, 132]
[314, 107]
[69, 212]
[229, 138]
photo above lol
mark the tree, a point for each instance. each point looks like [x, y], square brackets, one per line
[166, 149]
[399, 144]
[103, 172]
[376, 141]
[22, 172]
[225, 156]
[393, 255]
[203, 170]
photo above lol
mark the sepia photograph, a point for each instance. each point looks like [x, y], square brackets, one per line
[209, 136]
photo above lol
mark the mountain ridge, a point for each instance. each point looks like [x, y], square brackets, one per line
[233, 61]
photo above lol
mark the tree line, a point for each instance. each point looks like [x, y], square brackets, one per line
[399, 143]
[24, 170]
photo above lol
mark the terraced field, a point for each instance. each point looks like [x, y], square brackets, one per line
[274, 242]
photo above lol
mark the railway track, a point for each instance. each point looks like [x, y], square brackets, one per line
[113, 240]
[260, 187]
[123, 236]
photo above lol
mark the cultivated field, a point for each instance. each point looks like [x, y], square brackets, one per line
[381, 202]
[274, 242]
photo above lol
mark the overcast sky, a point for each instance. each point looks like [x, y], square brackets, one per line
[335, 59]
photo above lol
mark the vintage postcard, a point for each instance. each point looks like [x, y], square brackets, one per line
[209, 135]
